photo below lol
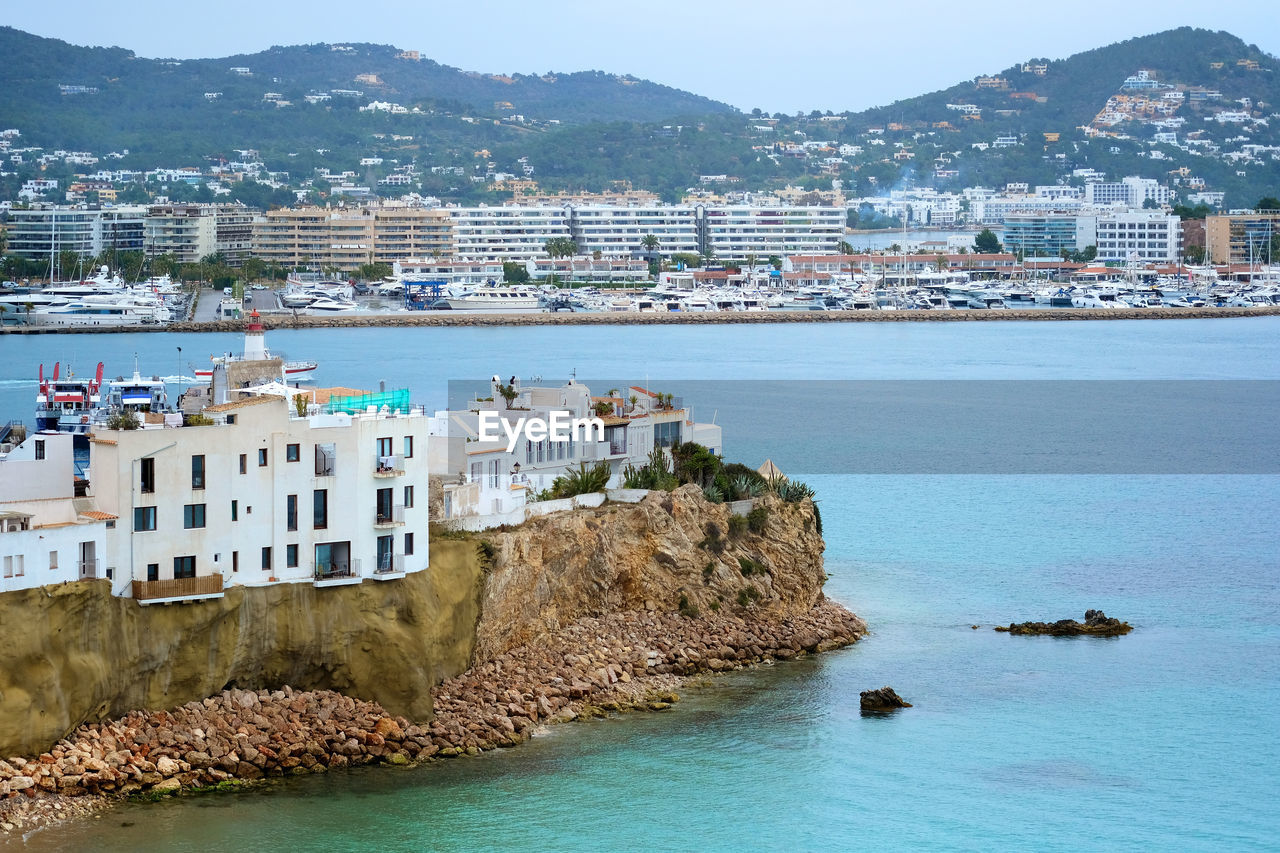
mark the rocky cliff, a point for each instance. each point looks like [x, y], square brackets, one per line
[74, 653]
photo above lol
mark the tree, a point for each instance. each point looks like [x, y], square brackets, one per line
[1195, 254]
[560, 247]
[253, 268]
[775, 262]
[1268, 203]
[986, 243]
[374, 271]
[846, 248]
[514, 273]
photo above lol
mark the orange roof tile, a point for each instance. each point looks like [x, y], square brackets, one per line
[243, 403]
[96, 515]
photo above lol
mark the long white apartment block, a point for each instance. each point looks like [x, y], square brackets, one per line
[264, 495]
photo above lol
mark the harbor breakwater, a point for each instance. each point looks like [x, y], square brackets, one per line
[571, 615]
[615, 318]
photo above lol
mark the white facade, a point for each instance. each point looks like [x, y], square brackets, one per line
[506, 233]
[733, 233]
[265, 496]
[614, 230]
[47, 535]
[1145, 236]
[37, 233]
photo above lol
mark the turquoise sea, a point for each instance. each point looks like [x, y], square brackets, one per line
[1164, 739]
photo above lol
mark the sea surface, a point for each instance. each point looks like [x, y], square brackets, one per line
[1164, 739]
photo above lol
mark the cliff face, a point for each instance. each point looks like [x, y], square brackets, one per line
[558, 568]
[75, 653]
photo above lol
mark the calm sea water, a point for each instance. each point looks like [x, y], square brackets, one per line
[1164, 739]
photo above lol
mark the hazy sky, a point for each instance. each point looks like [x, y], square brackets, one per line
[780, 56]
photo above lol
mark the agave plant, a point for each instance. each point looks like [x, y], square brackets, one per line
[713, 494]
[744, 487]
[791, 491]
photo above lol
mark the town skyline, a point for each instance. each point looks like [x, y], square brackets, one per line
[834, 48]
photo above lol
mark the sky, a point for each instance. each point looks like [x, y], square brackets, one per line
[778, 56]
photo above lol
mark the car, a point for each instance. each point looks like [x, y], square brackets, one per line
[228, 291]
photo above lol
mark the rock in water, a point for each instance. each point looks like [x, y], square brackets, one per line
[884, 699]
[1095, 624]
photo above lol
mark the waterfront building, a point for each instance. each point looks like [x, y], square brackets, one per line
[347, 238]
[1145, 236]
[1048, 235]
[48, 535]
[38, 233]
[1240, 238]
[186, 231]
[617, 231]
[334, 495]
[482, 477]
[735, 233]
[506, 233]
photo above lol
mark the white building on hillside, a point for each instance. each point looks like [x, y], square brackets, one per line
[263, 495]
[47, 534]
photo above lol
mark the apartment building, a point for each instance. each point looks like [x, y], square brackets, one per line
[1131, 191]
[735, 233]
[41, 232]
[47, 534]
[1145, 236]
[189, 232]
[334, 496]
[617, 231]
[347, 238]
[1048, 235]
[507, 233]
[1240, 238]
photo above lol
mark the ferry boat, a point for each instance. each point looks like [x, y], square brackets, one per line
[255, 349]
[68, 404]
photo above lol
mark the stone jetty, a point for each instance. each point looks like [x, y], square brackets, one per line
[462, 318]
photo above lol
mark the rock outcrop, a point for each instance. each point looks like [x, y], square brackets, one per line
[884, 699]
[1096, 624]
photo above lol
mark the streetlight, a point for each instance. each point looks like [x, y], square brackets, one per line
[178, 377]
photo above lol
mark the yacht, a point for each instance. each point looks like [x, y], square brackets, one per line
[497, 298]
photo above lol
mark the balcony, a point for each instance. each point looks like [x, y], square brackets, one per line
[386, 517]
[177, 590]
[390, 567]
[389, 466]
[337, 573]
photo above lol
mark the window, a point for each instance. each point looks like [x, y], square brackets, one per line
[408, 544]
[197, 472]
[262, 457]
[243, 463]
[291, 556]
[193, 516]
[666, 434]
[153, 571]
[384, 506]
[408, 497]
[235, 561]
[144, 518]
[111, 525]
[184, 567]
[235, 510]
[386, 553]
[231, 419]
[8, 567]
[320, 508]
[291, 512]
[326, 459]
[147, 475]
[266, 559]
[292, 453]
[408, 447]
[53, 561]
[39, 448]
[384, 447]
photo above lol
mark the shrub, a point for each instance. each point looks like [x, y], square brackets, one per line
[749, 566]
[654, 474]
[122, 420]
[791, 491]
[686, 608]
[757, 519]
[737, 525]
[583, 481]
[748, 595]
[713, 494]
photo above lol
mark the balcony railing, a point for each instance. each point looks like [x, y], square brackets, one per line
[88, 569]
[337, 569]
[178, 588]
[325, 463]
[389, 466]
[390, 564]
[389, 516]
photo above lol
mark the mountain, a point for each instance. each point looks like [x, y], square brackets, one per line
[1194, 108]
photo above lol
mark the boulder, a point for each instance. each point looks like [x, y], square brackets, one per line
[884, 699]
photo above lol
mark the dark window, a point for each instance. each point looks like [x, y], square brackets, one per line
[292, 453]
[408, 544]
[197, 472]
[193, 516]
[408, 497]
[408, 447]
[235, 510]
[235, 561]
[184, 567]
[144, 518]
[386, 553]
[291, 556]
[243, 463]
[39, 448]
[147, 475]
[231, 419]
[666, 434]
[384, 506]
[326, 459]
[320, 508]
[262, 457]
[153, 571]
[291, 512]
[266, 558]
